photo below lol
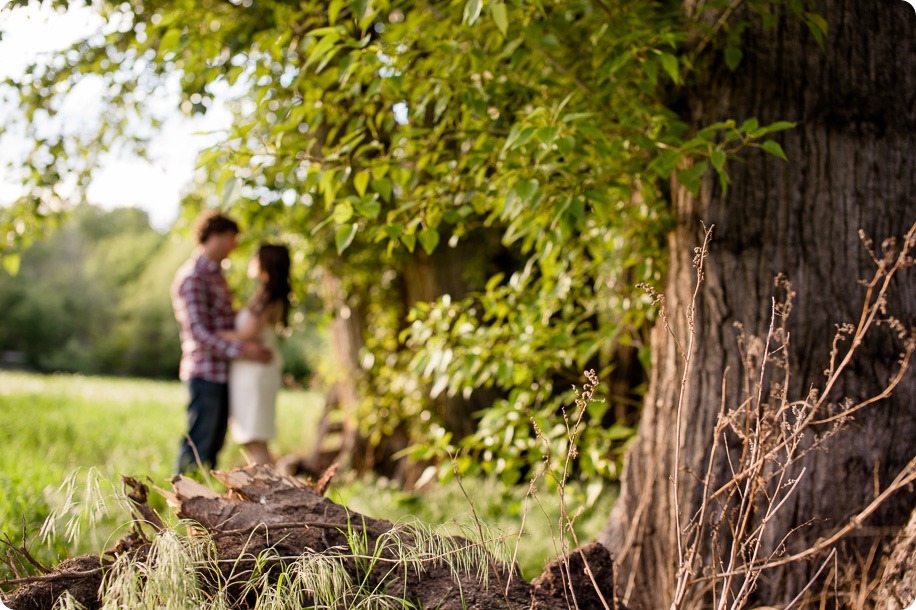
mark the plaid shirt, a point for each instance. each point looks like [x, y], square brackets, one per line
[203, 307]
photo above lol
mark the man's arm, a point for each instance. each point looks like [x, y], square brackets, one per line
[255, 350]
[193, 292]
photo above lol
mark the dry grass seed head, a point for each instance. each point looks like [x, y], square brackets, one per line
[68, 602]
[324, 577]
[83, 502]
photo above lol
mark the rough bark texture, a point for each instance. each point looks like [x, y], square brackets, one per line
[898, 584]
[851, 166]
[345, 333]
[264, 513]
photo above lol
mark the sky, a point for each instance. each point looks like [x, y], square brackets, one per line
[37, 34]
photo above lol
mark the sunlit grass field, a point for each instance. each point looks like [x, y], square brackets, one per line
[91, 430]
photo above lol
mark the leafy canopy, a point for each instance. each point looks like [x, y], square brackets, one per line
[373, 133]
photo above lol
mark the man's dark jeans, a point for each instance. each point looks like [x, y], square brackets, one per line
[208, 418]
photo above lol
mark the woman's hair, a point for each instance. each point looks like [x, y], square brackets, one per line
[274, 261]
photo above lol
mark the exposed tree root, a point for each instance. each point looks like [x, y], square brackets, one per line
[265, 521]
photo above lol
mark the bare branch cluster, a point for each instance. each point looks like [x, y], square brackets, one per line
[722, 548]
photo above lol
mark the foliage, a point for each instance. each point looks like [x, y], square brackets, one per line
[372, 134]
[92, 297]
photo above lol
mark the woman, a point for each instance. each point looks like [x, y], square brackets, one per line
[253, 386]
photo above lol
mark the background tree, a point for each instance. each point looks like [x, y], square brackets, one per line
[91, 297]
[849, 168]
[476, 189]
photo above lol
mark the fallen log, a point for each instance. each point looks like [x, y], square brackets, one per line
[271, 534]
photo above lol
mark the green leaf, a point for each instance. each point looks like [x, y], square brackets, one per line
[328, 187]
[360, 182]
[226, 184]
[718, 160]
[777, 126]
[500, 16]
[409, 240]
[472, 11]
[11, 263]
[334, 9]
[382, 186]
[692, 177]
[566, 145]
[495, 281]
[429, 239]
[665, 163]
[369, 208]
[322, 32]
[393, 231]
[572, 117]
[343, 212]
[229, 191]
[361, 9]
[773, 147]
[750, 126]
[169, 42]
[322, 47]
[344, 236]
[651, 70]
[733, 57]
[518, 137]
[817, 26]
[724, 181]
[547, 135]
[670, 66]
[433, 218]
[365, 14]
[208, 156]
[525, 189]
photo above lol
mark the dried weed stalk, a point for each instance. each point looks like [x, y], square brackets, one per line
[565, 538]
[720, 549]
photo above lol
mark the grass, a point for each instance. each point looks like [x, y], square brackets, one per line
[499, 507]
[55, 426]
[94, 429]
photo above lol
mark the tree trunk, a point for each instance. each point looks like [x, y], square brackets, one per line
[345, 333]
[898, 583]
[453, 271]
[851, 166]
[450, 271]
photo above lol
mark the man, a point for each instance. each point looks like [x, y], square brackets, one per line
[203, 308]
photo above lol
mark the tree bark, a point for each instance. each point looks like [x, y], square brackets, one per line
[851, 166]
[898, 583]
[453, 271]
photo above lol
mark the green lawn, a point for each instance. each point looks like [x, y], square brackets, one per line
[55, 426]
[91, 430]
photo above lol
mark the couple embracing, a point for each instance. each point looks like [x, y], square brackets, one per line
[229, 359]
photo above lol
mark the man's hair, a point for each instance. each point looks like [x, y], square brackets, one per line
[212, 222]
